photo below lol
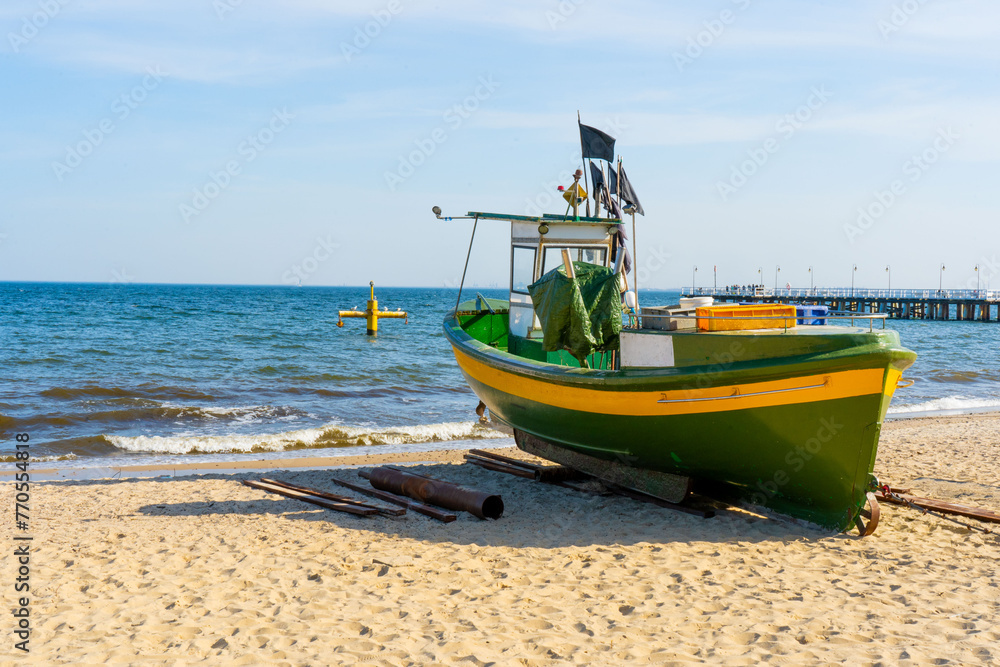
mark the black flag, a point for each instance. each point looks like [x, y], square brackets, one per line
[596, 178]
[612, 180]
[612, 205]
[621, 246]
[628, 194]
[596, 144]
[601, 189]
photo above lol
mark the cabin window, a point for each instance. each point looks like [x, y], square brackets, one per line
[553, 256]
[522, 269]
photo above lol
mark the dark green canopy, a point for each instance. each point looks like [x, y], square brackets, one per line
[581, 316]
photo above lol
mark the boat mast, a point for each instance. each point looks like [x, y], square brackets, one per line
[635, 269]
[635, 256]
[583, 164]
[597, 195]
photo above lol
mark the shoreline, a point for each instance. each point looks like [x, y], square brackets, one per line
[411, 453]
[946, 412]
[235, 467]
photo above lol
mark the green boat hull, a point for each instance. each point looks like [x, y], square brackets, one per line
[797, 433]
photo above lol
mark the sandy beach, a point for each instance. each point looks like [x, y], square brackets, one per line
[200, 568]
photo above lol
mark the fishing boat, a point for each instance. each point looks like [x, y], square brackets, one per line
[754, 403]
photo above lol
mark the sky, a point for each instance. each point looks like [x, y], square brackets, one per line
[253, 142]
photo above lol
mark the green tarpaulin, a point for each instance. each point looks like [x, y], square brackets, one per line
[581, 316]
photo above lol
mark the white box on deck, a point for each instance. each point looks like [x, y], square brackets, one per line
[668, 318]
[642, 349]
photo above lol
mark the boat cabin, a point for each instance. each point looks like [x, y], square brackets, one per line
[536, 245]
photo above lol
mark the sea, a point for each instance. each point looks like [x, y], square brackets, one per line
[105, 375]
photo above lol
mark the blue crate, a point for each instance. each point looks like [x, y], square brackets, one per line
[812, 314]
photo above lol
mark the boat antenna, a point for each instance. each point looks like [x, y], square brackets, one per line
[607, 191]
[618, 183]
[583, 164]
[458, 300]
[635, 268]
[436, 210]
[596, 195]
[635, 257]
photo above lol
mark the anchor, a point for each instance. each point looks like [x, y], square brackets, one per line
[372, 313]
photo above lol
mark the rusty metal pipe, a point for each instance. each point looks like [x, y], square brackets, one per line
[427, 510]
[436, 492]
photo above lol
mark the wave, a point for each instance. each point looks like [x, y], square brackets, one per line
[243, 413]
[376, 392]
[165, 412]
[313, 438]
[962, 377]
[142, 391]
[40, 360]
[948, 403]
[11, 458]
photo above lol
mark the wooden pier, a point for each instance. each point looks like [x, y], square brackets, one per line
[968, 305]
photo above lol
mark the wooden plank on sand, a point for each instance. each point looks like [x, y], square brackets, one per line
[542, 473]
[482, 453]
[313, 500]
[659, 502]
[946, 507]
[500, 467]
[427, 510]
[388, 511]
[665, 486]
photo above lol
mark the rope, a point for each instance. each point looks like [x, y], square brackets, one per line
[889, 494]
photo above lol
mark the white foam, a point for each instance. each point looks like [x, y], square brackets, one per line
[331, 435]
[403, 435]
[244, 414]
[96, 468]
[947, 404]
[11, 458]
[215, 444]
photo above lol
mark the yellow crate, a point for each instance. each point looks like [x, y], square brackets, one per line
[770, 310]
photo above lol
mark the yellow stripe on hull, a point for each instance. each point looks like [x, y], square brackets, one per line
[892, 378]
[802, 389]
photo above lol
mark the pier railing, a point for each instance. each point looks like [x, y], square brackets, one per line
[848, 293]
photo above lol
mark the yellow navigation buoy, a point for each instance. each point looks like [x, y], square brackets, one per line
[372, 313]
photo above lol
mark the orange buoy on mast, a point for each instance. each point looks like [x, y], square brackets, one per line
[372, 313]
